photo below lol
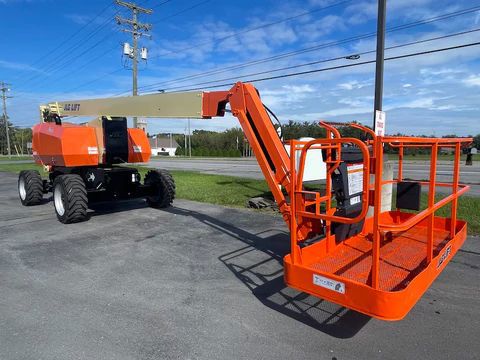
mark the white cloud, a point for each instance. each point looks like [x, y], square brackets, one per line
[299, 89]
[354, 85]
[18, 66]
[336, 112]
[318, 3]
[425, 103]
[441, 71]
[78, 18]
[82, 19]
[319, 28]
[287, 97]
[472, 80]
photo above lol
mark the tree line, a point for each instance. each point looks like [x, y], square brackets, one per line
[228, 143]
[19, 138]
[232, 142]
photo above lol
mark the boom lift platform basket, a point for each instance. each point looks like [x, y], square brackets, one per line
[385, 269]
[378, 265]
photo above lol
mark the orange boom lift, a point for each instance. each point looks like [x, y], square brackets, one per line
[378, 264]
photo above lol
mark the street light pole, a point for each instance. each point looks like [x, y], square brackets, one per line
[189, 140]
[381, 19]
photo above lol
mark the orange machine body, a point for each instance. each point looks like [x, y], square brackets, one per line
[139, 150]
[72, 145]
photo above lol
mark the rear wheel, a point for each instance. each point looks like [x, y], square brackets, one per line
[30, 187]
[163, 188]
[70, 198]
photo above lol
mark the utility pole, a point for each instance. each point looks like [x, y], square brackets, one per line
[189, 140]
[135, 28]
[4, 89]
[381, 17]
[185, 139]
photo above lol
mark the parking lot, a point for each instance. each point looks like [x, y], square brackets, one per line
[197, 281]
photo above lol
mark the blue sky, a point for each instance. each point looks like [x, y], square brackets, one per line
[435, 94]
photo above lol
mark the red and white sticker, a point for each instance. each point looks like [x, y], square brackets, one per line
[355, 178]
[137, 149]
[380, 119]
[92, 150]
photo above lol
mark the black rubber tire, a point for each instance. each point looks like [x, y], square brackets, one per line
[164, 186]
[73, 197]
[32, 187]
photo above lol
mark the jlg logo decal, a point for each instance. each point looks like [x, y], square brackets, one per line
[444, 256]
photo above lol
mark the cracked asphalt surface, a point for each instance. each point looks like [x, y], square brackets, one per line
[197, 281]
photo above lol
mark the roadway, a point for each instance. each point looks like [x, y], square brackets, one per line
[248, 167]
[418, 170]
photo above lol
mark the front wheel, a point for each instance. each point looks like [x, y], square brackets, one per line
[163, 188]
[70, 198]
[30, 187]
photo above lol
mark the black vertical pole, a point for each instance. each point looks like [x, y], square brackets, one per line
[382, 7]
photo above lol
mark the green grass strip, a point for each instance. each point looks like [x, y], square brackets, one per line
[235, 191]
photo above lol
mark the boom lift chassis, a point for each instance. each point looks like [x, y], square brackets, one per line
[380, 270]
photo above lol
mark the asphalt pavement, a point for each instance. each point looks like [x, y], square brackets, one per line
[197, 281]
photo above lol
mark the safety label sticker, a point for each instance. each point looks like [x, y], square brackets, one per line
[92, 150]
[137, 149]
[355, 200]
[355, 178]
[329, 283]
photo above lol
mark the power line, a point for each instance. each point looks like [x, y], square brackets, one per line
[61, 61]
[95, 80]
[333, 59]
[182, 11]
[254, 28]
[315, 47]
[158, 5]
[293, 53]
[108, 51]
[105, 53]
[337, 67]
[51, 52]
[63, 64]
[84, 52]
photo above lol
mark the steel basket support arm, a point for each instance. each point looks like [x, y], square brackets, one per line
[268, 148]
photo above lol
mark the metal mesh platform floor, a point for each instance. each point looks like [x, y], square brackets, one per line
[401, 258]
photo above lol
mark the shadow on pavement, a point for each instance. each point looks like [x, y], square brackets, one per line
[109, 207]
[259, 265]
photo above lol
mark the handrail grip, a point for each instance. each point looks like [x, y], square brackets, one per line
[366, 179]
[423, 214]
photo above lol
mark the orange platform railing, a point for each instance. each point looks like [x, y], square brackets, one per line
[386, 268]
